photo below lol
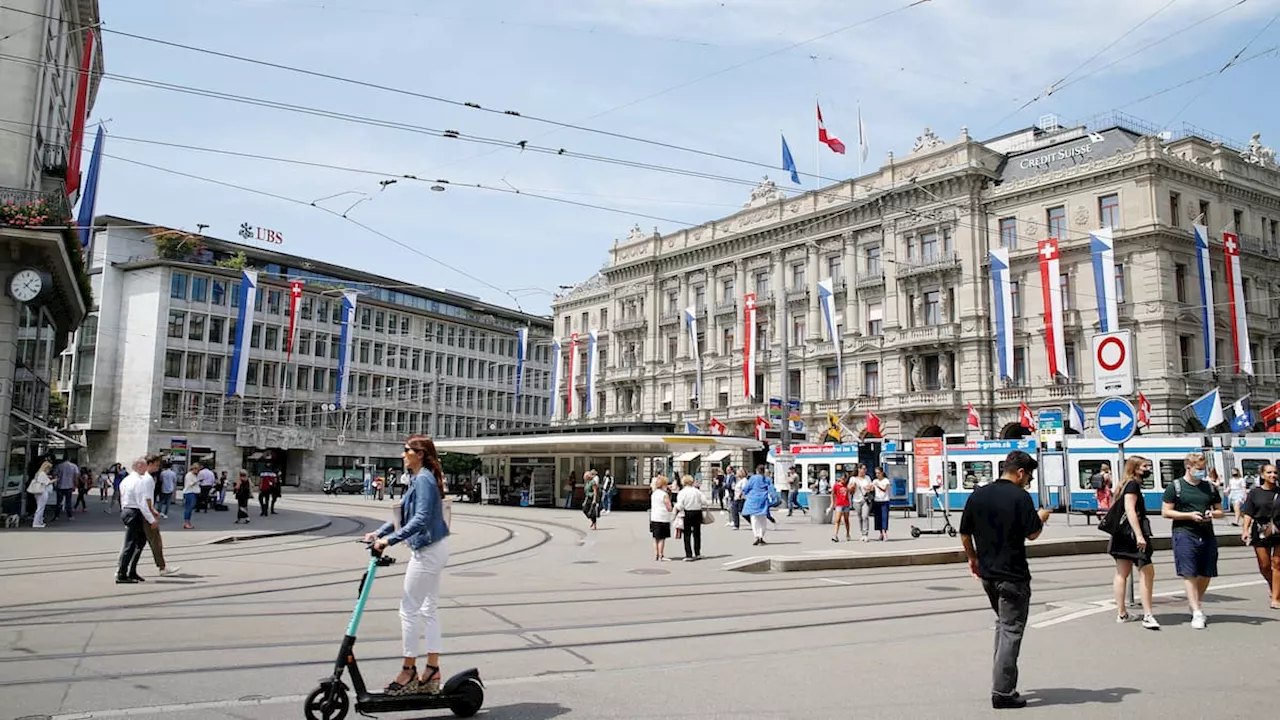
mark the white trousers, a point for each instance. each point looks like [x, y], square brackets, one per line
[419, 617]
[758, 524]
[41, 501]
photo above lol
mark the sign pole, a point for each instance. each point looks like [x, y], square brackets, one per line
[1134, 569]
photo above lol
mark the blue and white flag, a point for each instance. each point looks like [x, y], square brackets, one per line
[1208, 409]
[1076, 417]
[89, 199]
[556, 361]
[593, 362]
[827, 299]
[691, 320]
[1206, 297]
[691, 429]
[789, 163]
[522, 350]
[239, 369]
[346, 340]
[1003, 292]
[1241, 416]
[1104, 278]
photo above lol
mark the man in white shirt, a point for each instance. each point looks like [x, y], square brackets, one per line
[190, 494]
[168, 485]
[207, 481]
[135, 513]
[148, 485]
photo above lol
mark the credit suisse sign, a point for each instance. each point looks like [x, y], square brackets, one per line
[1092, 146]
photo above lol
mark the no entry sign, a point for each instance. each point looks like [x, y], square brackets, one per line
[1113, 363]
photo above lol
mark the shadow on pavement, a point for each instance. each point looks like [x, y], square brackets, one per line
[1043, 697]
[526, 711]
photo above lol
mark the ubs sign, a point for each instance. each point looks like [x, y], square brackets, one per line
[1093, 146]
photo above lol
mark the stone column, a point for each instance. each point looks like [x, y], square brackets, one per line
[812, 277]
[781, 322]
[849, 269]
[684, 350]
[738, 395]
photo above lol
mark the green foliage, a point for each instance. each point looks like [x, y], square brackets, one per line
[57, 408]
[239, 261]
[459, 464]
[174, 245]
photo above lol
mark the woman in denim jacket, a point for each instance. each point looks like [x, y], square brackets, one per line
[419, 522]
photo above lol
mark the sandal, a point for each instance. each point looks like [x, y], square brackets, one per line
[396, 688]
[430, 684]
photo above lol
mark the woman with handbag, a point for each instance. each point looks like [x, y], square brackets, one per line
[758, 494]
[39, 488]
[880, 503]
[660, 516]
[591, 497]
[689, 506]
[1261, 509]
[1131, 541]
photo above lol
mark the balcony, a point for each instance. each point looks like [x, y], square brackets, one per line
[927, 335]
[727, 308]
[865, 403]
[1060, 391]
[1014, 393]
[669, 317]
[939, 263]
[37, 226]
[624, 324]
[764, 300]
[874, 278]
[1258, 246]
[929, 400]
[797, 295]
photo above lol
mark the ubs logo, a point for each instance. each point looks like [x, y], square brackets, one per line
[249, 232]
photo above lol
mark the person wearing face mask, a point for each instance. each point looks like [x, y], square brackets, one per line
[1131, 545]
[1192, 503]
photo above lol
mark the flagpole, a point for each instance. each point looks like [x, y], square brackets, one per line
[817, 150]
[859, 138]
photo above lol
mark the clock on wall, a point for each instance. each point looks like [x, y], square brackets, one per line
[27, 284]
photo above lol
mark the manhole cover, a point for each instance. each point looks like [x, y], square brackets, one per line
[474, 573]
[649, 571]
[941, 588]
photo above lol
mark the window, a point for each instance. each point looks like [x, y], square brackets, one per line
[875, 319]
[233, 330]
[173, 364]
[727, 291]
[797, 329]
[199, 288]
[833, 269]
[322, 342]
[271, 339]
[251, 373]
[726, 340]
[933, 308]
[604, 325]
[304, 342]
[1015, 293]
[586, 321]
[255, 335]
[1204, 213]
[871, 258]
[317, 380]
[1169, 470]
[213, 368]
[976, 473]
[235, 295]
[195, 366]
[1175, 203]
[219, 294]
[797, 276]
[1020, 366]
[195, 328]
[871, 379]
[305, 306]
[1237, 220]
[380, 321]
[929, 246]
[673, 347]
[762, 285]
[273, 302]
[1064, 281]
[673, 301]
[1056, 222]
[760, 389]
[1009, 233]
[830, 383]
[666, 398]
[1180, 282]
[795, 384]
[215, 328]
[1120, 282]
[1109, 211]
[1069, 349]
[177, 323]
[178, 286]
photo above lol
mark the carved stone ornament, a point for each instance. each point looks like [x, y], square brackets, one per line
[1031, 225]
[285, 437]
[917, 375]
[944, 372]
[1081, 217]
[1259, 154]
[764, 193]
[1191, 211]
[636, 234]
[926, 141]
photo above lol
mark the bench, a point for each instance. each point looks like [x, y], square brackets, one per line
[1090, 513]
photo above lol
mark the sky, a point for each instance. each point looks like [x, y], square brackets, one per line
[719, 77]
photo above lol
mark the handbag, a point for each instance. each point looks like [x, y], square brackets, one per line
[35, 487]
[708, 517]
[1116, 521]
[774, 498]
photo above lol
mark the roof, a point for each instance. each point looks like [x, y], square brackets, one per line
[639, 443]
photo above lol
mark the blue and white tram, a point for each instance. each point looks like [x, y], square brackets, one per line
[1250, 452]
[977, 463]
[811, 461]
[1085, 457]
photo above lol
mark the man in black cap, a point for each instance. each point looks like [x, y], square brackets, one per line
[997, 521]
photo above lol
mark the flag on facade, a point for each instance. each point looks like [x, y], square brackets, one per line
[1207, 409]
[789, 163]
[863, 145]
[239, 369]
[717, 427]
[826, 138]
[1076, 417]
[1206, 297]
[1271, 415]
[691, 429]
[557, 360]
[572, 371]
[1003, 293]
[1025, 418]
[81, 114]
[346, 339]
[973, 420]
[89, 198]
[827, 300]
[593, 359]
[1241, 417]
[762, 426]
[295, 300]
[691, 322]
[1235, 292]
[1051, 287]
[1144, 410]
[522, 351]
[748, 345]
[873, 424]
[1102, 249]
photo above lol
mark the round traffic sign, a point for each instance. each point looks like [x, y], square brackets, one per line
[1111, 354]
[1117, 420]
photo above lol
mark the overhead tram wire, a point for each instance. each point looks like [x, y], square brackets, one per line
[1235, 60]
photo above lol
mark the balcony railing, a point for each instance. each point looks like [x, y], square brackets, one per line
[728, 308]
[926, 400]
[624, 324]
[927, 334]
[941, 262]
[32, 208]
[1013, 393]
[797, 294]
[869, 279]
[669, 317]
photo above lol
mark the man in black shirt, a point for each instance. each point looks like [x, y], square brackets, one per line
[997, 521]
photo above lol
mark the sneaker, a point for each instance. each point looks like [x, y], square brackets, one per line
[1124, 618]
[1199, 621]
[165, 516]
[126, 581]
[1008, 702]
[169, 570]
[1149, 622]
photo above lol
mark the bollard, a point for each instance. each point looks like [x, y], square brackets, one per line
[1130, 601]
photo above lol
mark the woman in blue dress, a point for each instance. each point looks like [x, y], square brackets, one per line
[755, 505]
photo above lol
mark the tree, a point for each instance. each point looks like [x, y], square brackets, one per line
[458, 463]
[57, 408]
[239, 261]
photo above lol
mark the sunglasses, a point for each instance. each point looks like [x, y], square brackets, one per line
[409, 449]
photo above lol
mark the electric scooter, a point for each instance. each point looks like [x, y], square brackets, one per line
[463, 693]
[946, 529]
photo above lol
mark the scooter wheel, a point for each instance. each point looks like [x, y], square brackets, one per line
[915, 531]
[327, 702]
[469, 699]
[951, 531]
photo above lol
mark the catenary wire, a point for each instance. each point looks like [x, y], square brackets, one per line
[1230, 64]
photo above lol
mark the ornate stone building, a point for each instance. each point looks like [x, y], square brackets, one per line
[907, 249]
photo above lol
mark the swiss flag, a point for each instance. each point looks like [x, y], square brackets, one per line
[873, 424]
[1144, 410]
[1024, 417]
[717, 427]
[1271, 415]
[830, 141]
[974, 421]
[762, 425]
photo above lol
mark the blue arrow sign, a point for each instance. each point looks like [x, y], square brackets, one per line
[1117, 420]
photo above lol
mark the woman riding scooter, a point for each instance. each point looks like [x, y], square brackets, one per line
[419, 521]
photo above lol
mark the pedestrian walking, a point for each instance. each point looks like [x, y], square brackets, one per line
[1192, 503]
[40, 488]
[266, 481]
[1261, 510]
[1130, 544]
[591, 497]
[135, 513]
[117, 477]
[168, 486]
[688, 507]
[207, 481]
[733, 493]
[82, 490]
[755, 503]
[147, 492]
[607, 489]
[568, 493]
[840, 508]
[660, 517]
[880, 503]
[862, 494]
[419, 522]
[1235, 495]
[104, 483]
[277, 489]
[65, 475]
[190, 494]
[243, 492]
[998, 520]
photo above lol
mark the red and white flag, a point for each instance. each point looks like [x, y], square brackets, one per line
[1235, 291]
[827, 139]
[873, 424]
[81, 113]
[1051, 284]
[573, 366]
[1144, 410]
[973, 421]
[762, 426]
[748, 345]
[1025, 418]
[717, 427]
[1271, 415]
[295, 299]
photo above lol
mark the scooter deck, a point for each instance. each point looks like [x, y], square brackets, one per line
[383, 703]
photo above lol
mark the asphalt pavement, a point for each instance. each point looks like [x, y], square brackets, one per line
[567, 622]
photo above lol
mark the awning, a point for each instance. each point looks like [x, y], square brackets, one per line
[686, 457]
[719, 455]
[32, 421]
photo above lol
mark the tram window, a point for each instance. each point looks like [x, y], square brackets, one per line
[1087, 469]
[976, 473]
[846, 470]
[815, 472]
[1170, 470]
[1252, 470]
[951, 476]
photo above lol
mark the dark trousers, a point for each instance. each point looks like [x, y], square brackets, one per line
[64, 501]
[275, 495]
[736, 512]
[202, 504]
[692, 533]
[1011, 601]
[81, 502]
[264, 501]
[135, 539]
